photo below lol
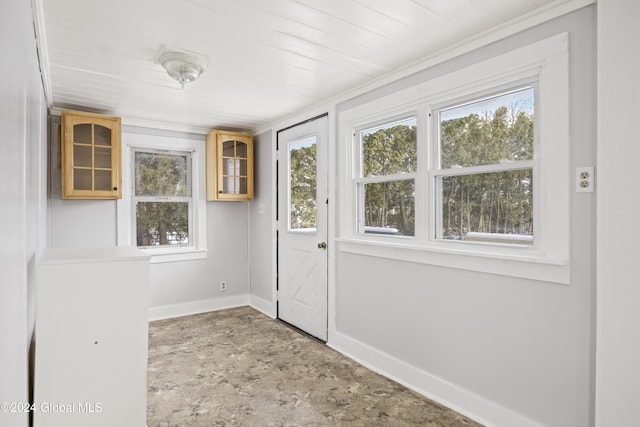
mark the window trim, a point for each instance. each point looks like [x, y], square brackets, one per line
[545, 64]
[125, 211]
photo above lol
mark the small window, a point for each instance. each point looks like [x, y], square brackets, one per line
[302, 185]
[386, 187]
[485, 182]
[162, 198]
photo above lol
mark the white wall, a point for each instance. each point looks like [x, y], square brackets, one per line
[506, 351]
[176, 288]
[23, 206]
[618, 355]
[261, 220]
[185, 287]
[502, 349]
[521, 345]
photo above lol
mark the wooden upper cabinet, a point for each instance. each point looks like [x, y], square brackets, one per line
[91, 156]
[229, 166]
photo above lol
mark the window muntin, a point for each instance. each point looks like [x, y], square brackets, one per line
[386, 186]
[485, 183]
[162, 198]
[302, 185]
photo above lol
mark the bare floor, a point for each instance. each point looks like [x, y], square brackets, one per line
[238, 367]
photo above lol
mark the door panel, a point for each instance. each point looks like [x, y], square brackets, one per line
[302, 236]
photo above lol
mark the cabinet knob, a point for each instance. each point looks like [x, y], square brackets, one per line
[115, 188]
[322, 245]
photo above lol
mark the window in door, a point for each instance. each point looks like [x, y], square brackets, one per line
[302, 185]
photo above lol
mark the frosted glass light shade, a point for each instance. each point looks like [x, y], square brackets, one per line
[182, 66]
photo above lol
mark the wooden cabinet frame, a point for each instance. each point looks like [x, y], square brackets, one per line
[229, 166]
[91, 163]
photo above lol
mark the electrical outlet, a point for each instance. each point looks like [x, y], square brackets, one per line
[585, 179]
[223, 285]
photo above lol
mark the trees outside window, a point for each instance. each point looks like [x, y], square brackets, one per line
[162, 198]
[483, 171]
[302, 184]
[387, 182]
[485, 177]
[469, 169]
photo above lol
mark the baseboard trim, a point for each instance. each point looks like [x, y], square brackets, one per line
[437, 389]
[197, 307]
[262, 305]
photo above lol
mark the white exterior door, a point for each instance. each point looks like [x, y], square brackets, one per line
[302, 226]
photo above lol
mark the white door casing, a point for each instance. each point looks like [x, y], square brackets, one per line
[302, 226]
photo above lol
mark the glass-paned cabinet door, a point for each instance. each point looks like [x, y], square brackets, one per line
[91, 166]
[229, 166]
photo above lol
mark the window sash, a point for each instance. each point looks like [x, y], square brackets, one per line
[437, 172]
[489, 237]
[190, 233]
[385, 123]
[189, 199]
[484, 97]
[179, 153]
[360, 185]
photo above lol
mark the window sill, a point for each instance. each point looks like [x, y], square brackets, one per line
[515, 262]
[160, 255]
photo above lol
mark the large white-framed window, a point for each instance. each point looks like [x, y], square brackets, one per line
[491, 184]
[163, 206]
[386, 177]
[486, 169]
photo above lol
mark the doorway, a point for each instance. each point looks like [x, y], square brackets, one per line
[302, 226]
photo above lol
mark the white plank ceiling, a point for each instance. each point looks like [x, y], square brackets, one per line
[269, 58]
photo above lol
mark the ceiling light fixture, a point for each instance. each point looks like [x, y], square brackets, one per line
[182, 66]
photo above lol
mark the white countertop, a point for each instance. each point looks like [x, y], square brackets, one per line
[101, 254]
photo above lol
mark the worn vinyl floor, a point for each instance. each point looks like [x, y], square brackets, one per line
[238, 367]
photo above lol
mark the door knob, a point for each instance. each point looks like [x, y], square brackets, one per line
[322, 245]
